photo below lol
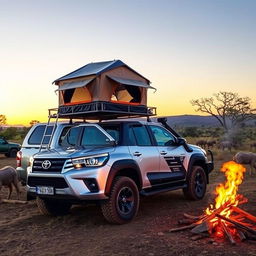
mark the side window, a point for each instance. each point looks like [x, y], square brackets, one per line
[113, 131]
[162, 136]
[92, 136]
[71, 138]
[141, 136]
[2, 141]
[131, 137]
[63, 134]
[37, 135]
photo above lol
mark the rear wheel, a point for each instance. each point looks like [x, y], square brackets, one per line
[123, 203]
[13, 153]
[53, 207]
[196, 184]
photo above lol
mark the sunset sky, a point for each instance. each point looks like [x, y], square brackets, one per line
[187, 48]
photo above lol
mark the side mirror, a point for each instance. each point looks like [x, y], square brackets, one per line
[113, 143]
[181, 141]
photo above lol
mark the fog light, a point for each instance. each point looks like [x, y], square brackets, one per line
[91, 184]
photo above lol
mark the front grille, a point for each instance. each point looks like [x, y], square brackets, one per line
[56, 165]
[55, 182]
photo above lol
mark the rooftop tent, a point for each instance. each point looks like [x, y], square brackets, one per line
[109, 86]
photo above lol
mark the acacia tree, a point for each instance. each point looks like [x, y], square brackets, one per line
[33, 122]
[228, 108]
[2, 119]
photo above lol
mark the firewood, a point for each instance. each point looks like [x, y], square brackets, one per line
[244, 213]
[200, 228]
[241, 235]
[183, 228]
[250, 237]
[237, 224]
[193, 217]
[227, 233]
[186, 221]
[214, 213]
[10, 201]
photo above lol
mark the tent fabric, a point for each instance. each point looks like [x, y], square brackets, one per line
[75, 84]
[131, 82]
[96, 68]
[81, 94]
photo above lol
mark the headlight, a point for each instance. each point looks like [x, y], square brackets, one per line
[31, 160]
[90, 161]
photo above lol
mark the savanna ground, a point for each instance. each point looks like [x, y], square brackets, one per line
[24, 231]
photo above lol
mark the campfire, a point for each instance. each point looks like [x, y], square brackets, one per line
[224, 219]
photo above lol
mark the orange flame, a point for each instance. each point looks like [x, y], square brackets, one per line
[227, 192]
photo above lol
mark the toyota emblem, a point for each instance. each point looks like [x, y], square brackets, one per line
[46, 164]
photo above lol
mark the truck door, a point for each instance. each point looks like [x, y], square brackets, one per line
[171, 155]
[143, 151]
[4, 147]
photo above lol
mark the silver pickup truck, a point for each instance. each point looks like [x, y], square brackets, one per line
[114, 162]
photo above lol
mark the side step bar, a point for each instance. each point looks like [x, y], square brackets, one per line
[152, 191]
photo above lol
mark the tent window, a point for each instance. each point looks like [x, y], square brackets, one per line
[67, 95]
[76, 95]
[127, 93]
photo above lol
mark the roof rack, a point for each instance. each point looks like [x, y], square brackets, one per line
[103, 110]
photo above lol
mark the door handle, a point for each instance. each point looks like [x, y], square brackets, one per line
[137, 153]
[163, 153]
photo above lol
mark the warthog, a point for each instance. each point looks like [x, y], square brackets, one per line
[226, 145]
[246, 158]
[8, 177]
[201, 143]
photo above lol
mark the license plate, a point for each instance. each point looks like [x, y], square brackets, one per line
[45, 190]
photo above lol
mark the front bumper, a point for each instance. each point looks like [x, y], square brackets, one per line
[210, 164]
[82, 184]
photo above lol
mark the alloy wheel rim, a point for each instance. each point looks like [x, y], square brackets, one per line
[199, 184]
[125, 201]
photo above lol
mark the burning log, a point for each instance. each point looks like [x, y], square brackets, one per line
[237, 224]
[244, 213]
[227, 233]
[224, 219]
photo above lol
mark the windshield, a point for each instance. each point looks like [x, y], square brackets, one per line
[92, 136]
[71, 138]
[85, 136]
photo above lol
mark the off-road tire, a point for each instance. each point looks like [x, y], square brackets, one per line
[13, 153]
[53, 207]
[114, 208]
[196, 184]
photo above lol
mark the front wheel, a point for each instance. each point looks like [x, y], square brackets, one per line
[53, 207]
[123, 203]
[196, 184]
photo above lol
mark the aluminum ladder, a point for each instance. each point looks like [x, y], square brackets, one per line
[47, 136]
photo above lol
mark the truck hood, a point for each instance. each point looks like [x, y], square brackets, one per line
[196, 148]
[14, 144]
[74, 152]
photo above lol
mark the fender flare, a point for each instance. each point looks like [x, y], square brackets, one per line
[117, 167]
[192, 160]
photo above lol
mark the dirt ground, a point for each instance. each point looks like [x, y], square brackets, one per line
[24, 231]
